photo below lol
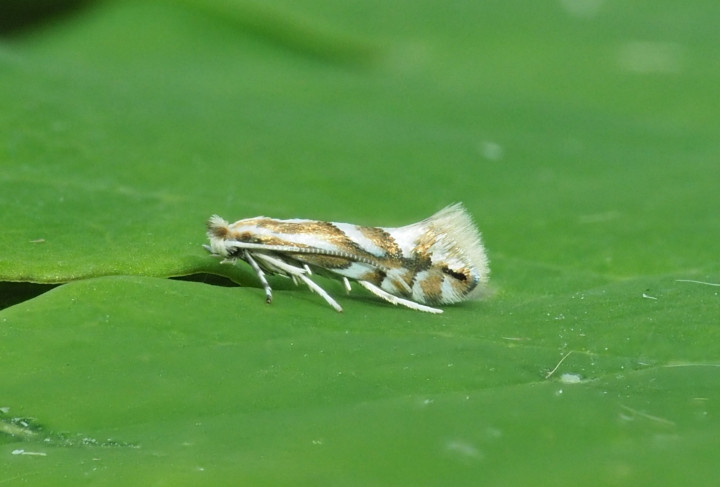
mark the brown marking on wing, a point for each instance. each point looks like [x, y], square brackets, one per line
[329, 232]
[376, 277]
[462, 280]
[462, 274]
[382, 239]
[432, 287]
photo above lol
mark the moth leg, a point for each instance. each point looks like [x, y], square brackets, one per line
[396, 300]
[280, 266]
[313, 286]
[299, 273]
[261, 275]
[347, 284]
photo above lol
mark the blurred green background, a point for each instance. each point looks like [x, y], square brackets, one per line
[583, 136]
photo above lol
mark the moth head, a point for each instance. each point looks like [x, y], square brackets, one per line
[218, 233]
[218, 227]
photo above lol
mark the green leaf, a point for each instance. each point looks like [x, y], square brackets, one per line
[583, 137]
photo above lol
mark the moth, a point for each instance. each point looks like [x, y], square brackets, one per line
[439, 260]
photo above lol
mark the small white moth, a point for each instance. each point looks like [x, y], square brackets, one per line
[439, 260]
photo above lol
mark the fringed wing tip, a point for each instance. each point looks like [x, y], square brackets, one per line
[455, 222]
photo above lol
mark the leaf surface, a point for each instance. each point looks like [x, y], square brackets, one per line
[586, 150]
